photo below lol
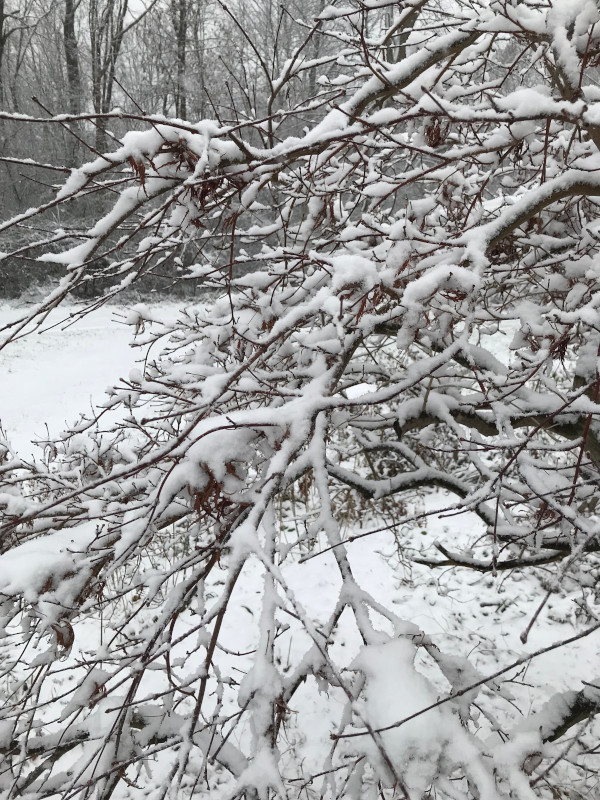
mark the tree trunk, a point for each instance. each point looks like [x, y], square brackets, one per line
[179, 10]
[72, 58]
[106, 36]
[3, 38]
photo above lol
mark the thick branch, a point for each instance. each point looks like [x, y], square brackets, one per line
[458, 560]
[564, 710]
[487, 427]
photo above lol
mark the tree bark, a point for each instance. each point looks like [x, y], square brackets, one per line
[179, 15]
[72, 57]
[107, 28]
[4, 34]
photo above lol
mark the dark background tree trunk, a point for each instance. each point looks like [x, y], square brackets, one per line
[179, 15]
[72, 58]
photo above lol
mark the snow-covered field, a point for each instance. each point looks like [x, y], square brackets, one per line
[48, 377]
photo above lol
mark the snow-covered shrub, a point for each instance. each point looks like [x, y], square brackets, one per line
[404, 298]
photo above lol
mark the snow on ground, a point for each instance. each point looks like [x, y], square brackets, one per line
[48, 378]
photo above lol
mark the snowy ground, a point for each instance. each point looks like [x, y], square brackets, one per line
[46, 379]
[49, 377]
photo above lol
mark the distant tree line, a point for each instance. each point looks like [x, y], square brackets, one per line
[189, 59]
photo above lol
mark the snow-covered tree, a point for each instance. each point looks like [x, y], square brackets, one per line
[180, 593]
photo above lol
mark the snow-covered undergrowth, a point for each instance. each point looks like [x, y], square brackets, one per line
[462, 614]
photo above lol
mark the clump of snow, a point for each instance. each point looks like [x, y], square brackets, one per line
[395, 691]
[42, 564]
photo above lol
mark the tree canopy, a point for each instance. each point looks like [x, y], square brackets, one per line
[358, 273]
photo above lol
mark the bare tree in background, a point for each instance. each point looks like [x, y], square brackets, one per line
[159, 565]
[72, 56]
[109, 22]
[107, 28]
[179, 16]
[7, 29]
